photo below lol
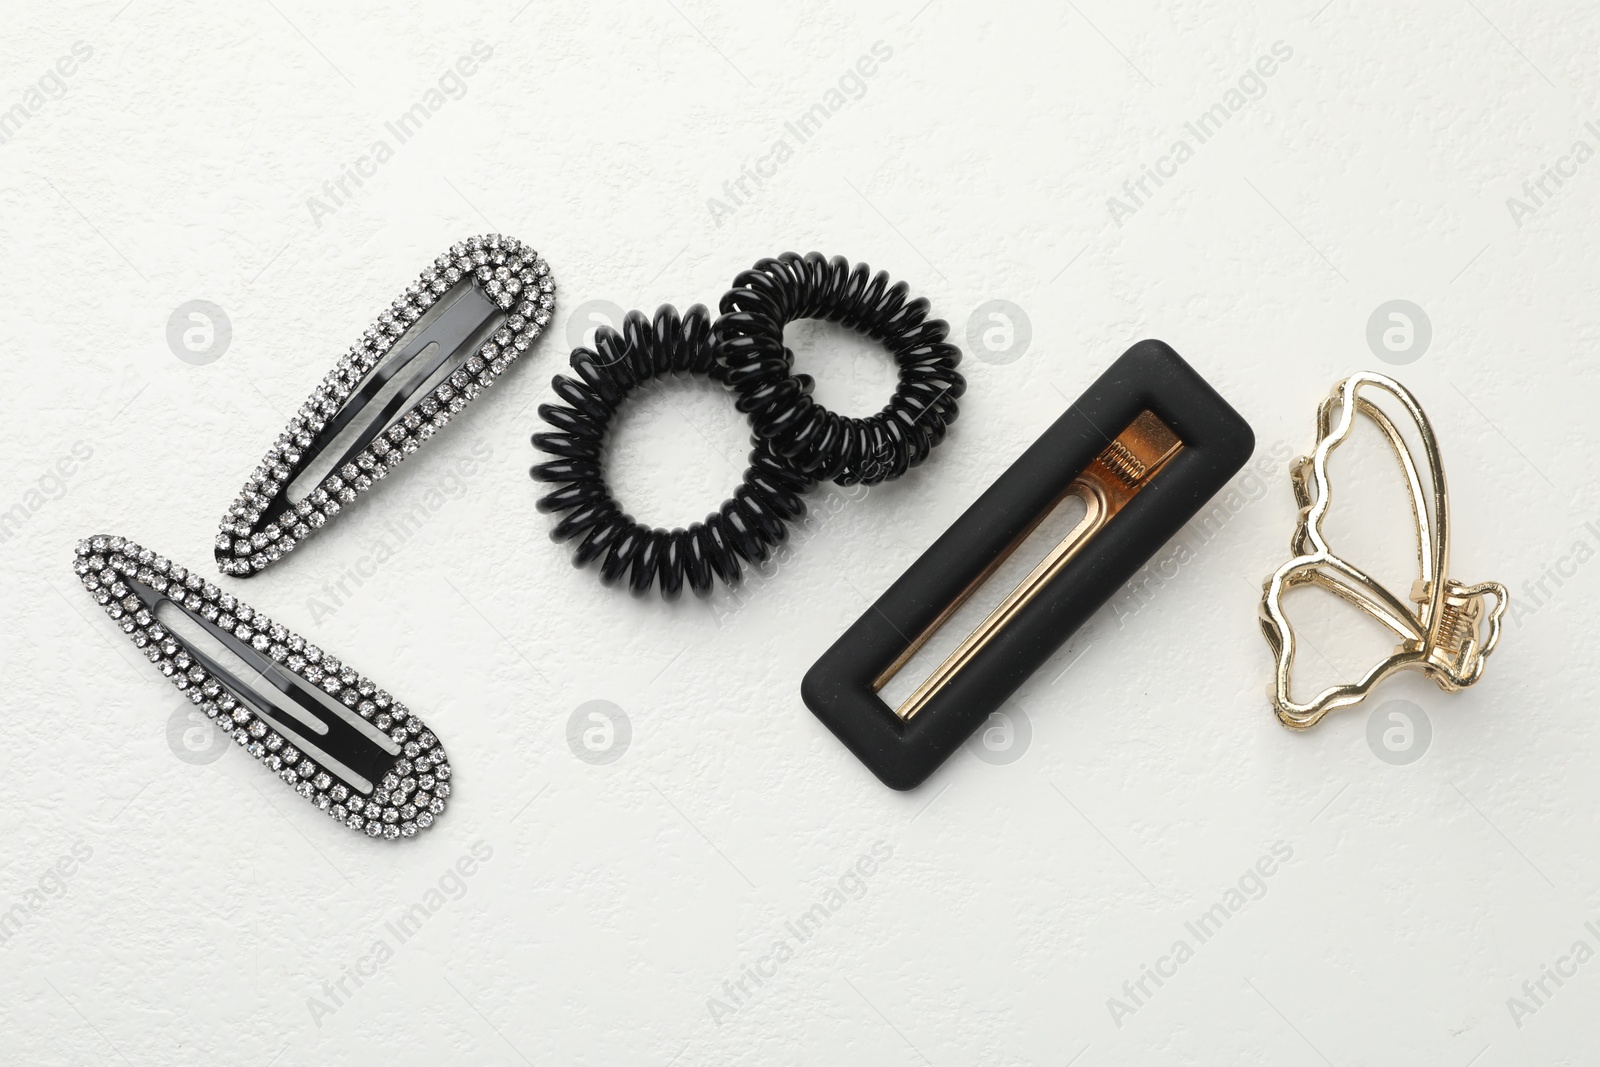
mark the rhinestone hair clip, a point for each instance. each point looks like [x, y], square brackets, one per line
[453, 331]
[326, 731]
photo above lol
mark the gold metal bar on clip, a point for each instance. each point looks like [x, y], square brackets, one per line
[1106, 486]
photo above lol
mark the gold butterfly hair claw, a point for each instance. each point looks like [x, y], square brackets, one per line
[1446, 631]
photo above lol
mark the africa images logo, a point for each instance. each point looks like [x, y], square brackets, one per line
[451, 85]
[51, 85]
[1251, 886]
[850, 86]
[1251, 87]
[451, 885]
[741, 989]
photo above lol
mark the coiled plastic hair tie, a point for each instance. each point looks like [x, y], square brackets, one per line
[798, 441]
[820, 442]
[745, 528]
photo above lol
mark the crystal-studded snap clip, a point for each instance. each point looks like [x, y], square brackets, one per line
[453, 331]
[326, 731]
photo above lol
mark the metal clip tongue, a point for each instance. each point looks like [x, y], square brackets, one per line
[326, 731]
[1105, 487]
[467, 318]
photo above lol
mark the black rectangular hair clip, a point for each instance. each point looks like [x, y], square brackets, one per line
[1144, 448]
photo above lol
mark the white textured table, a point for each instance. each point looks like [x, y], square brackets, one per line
[1250, 185]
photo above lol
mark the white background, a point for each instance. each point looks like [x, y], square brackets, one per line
[620, 897]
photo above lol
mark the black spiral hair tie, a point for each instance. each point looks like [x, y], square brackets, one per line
[746, 527]
[797, 441]
[813, 439]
